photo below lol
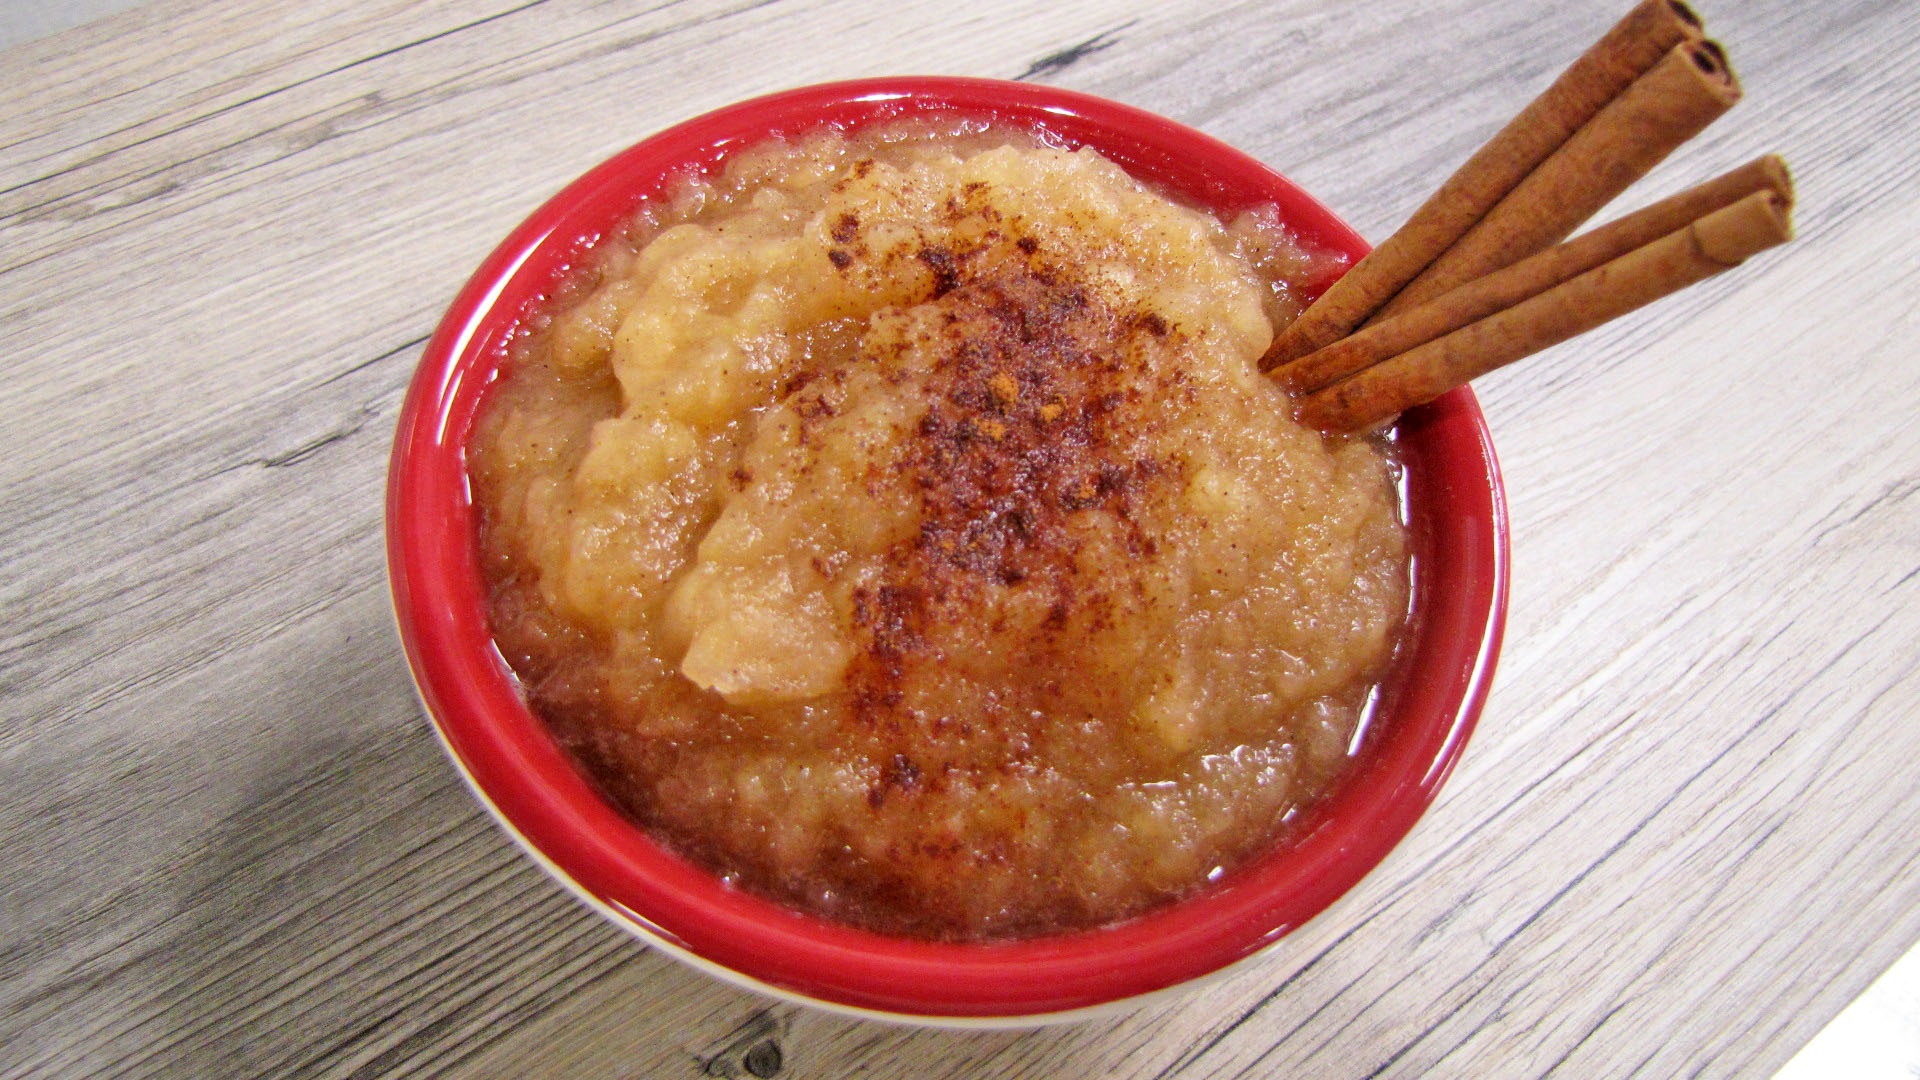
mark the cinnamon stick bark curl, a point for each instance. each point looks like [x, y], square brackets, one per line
[1690, 87]
[1631, 48]
[1706, 247]
[1530, 277]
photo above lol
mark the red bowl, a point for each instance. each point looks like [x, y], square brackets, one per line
[1456, 509]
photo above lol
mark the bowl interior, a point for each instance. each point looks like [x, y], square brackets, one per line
[1425, 711]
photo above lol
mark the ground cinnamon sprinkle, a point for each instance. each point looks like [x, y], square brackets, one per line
[1017, 439]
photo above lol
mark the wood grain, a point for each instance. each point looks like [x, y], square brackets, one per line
[1682, 839]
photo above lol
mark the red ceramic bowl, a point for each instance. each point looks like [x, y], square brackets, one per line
[1458, 518]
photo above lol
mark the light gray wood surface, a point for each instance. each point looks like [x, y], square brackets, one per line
[1685, 835]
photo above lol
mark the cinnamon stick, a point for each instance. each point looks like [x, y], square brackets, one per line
[1507, 287]
[1716, 242]
[1631, 48]
[1688, 89]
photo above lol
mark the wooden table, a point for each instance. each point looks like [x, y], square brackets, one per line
[1685, 835]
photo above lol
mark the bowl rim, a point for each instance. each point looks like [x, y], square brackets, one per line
[544, 801]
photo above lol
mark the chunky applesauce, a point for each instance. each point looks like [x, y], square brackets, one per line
[897, 524]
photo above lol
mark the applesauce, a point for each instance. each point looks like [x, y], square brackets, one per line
[898, 525]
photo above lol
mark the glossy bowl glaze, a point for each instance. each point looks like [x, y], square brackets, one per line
[1427, 708]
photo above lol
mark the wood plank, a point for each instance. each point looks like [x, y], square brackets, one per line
[1680, 842]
